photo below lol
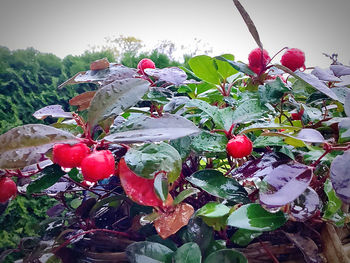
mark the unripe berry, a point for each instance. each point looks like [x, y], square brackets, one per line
[145, 63]
[239, 147]
[98, 165]
[293, 59]
[8, 189]
[69, 156]
[257, 63]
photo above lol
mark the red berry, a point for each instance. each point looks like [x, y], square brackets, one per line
[98, 165]
[239, 147]
[145, 63]
[139, 189]
[69, 156]
[293, 59]
[254, 58]
[298, 115]
[8, 189]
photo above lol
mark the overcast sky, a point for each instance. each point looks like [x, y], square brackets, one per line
[67, 27]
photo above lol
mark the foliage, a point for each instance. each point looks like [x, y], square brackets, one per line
[176, 194]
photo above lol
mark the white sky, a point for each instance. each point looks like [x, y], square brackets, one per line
[66, 27]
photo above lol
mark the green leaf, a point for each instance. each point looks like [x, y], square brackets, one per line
[254, 217]
[183, 146]
[75, 175]
[241, 67]
[115, 98]
[188, 253]
[248, 111]
[215, 245]
[150, 159]
[215, 183]
[111, 201]
[147, 129]
[227, 116]
[313, 114]
[50, 175]
[161, 186]
[204, 68]
[263, 141]
[211, 111]
[243, 237]
[184, 194]
[334, 203]
[26, 145]
[148, 252]
[272, 92]
[226, 256]
[268, 126]
[209, 142]
[344, 130]
[224, 68]
[213, 210]
[285, 150]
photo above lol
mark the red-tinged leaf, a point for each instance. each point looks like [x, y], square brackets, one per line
[99, 64]
[169, 223]
[340, 176]
[340, 70]
[171, 75]
[82, 100]
[139, 189]
[55, 111]
[26, 145]
[284, 184]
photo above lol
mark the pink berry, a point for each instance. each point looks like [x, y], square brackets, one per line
[255, 63]
[293, 59]
[145, 63]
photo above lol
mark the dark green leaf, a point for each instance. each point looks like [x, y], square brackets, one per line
[209, 142]
[241, 67]
[215, 183]
[248, 111]
[204, 68]
[254, 217]
[150, 159]
[148, 252]
[26, 145]
[115, 98]
[161, 186]
[50, 175]
[263, 141]
[272, 91]
[184, 194]
[188, 253]
[226, 256]
[213, 210]
[334, 203]
[148, 129]
[287, 151]
[243, 237]
[183, 146]
[74, 174]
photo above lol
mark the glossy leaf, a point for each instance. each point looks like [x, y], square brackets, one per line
[325, 74]
[255, 217]
[148, 129]
[340, 70]
[50, 175]
[169, 223]
[340, 176]
[184, 194]
[241, 67]
[313, 114]
[334, 203]
[148, 252]
[268, 126]
[82, 101]
[248, 111]
[161, 186]
[259, 167]
[213, 210]
[215, 183]
[347, 105]
[151, 159]
[224, 68]
[188, 253]
[183, 146]
[204, 68]
[115, 98]
[344, 130]
[27, 145]
[55, 111]
[227, 256]
[209, 142]
[310, 135]
[281, 180]
[272, 92]
[171, 75]
[263, 141]
[306, 205]
[243, 237]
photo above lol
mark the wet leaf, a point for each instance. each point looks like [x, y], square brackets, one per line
[184, 194]
[82, 100]
[183, 146]
[325, 74]
[115, 98]
[171, 75]
[248, 111]
[227, 256]
[241, 67]
[282, 180]
[57, 188]
[161, 186]
[306, 205]
[148, 129]
[223, 67]
[166, 242]
[50, 175]
[26, 145]
[263, 141]
[272, 91]
[213, 210]
[188, 253]
[215, 183]
[209, 142]
[243, 237]
[310, 135]
[99, 64]
[151, 159]
[340, 70]
[340, 176]
[204, 68]
[344, 130]
[259, 167]
[55, 111]
[148, 252]
[255, 217]
[268, 126]
[347, 105]
[169, 223]
[334, 203]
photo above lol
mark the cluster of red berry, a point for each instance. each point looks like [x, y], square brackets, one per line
[258, 59]
[94, 166]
